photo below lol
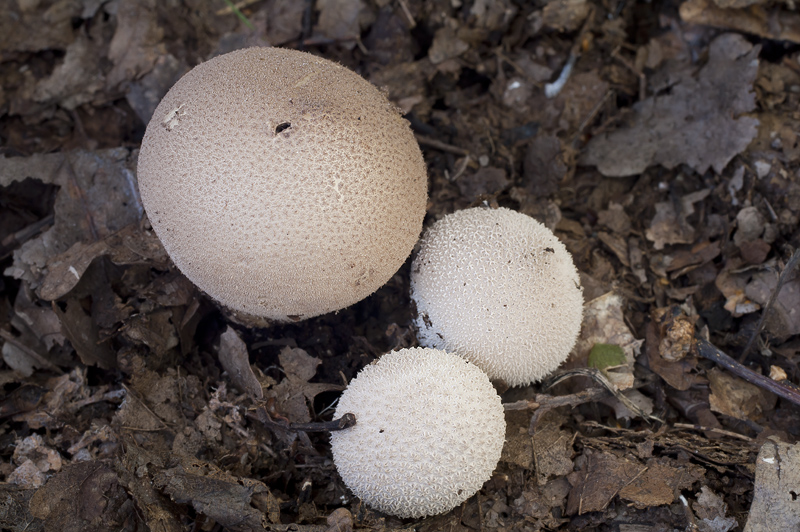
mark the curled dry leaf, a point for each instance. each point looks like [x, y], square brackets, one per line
[234, 358]
[700, 122]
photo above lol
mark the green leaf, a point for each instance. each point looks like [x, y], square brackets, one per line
[605, 356]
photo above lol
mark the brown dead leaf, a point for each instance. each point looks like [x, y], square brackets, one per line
[98, 197]
[711, 509]
[84, 496]
[43, 459]
[154, 329]
[783, 320]
[84, 336]
[565, 15]
[669, 225]
[77, 79]
[552, 448]
[539, 502]
[659, 483]
[40, 320]
[781, 25]
[677, 373]
[488, 180]
[340, 520]
[731, 282]
[446, 45]
[235, 360]
[15, 515]
[685, 260]
[738, 398]
[136, 44]
[602, 476]
[294, 392]
[615, 218]
[342, 20]
[617, 244]
[518, 449]
[214, 493]
[131, 245]
[698, 123]
[544, 167]
[156, 511]
[37, 26]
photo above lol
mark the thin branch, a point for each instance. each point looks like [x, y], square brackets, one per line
[714, 430]
[602, 380]
[439, 145]
[707, 350]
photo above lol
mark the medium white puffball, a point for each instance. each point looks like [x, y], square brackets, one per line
[498, 288]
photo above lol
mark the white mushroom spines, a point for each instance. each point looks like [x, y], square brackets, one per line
[282, 184]
[498, 288]
[429, 432]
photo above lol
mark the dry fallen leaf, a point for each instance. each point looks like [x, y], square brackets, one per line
[698, 123]
[294, 392]
[234, 358]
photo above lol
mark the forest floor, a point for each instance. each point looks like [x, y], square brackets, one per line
[658, 140]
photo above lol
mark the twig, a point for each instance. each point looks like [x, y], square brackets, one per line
[72, 178]
[459, 169]
[712, 429]
[791, 265]
[707, 350]
[630, 66]
[592, 114]
[411, 22]
[439, 145]
[27, 232]
[601, 379]
[230, 6]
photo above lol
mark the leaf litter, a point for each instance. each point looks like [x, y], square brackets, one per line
[667, 163]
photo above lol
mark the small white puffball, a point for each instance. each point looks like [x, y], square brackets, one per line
[498, 288]
[429, 431]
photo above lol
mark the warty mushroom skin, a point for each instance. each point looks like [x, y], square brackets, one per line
[429, 432]
[498, 288]
[282, 184]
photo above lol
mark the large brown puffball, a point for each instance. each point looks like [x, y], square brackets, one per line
[498, 288]
[282, 184]
[429, 432]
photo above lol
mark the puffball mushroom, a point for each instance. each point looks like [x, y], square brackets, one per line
[429, 431]
[498, 288]
[282, 184]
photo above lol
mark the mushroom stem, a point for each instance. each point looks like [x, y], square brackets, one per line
[345, 422]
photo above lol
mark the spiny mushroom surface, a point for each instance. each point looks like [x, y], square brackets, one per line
[282, 184]
[429, 431]
[498, 288]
